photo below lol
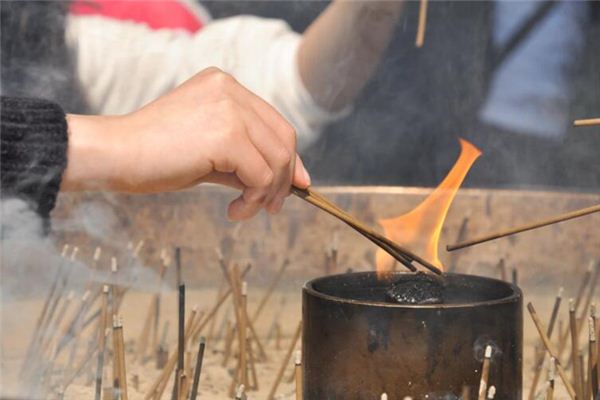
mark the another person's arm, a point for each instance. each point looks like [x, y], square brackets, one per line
[209, 129]
[342, 47]
[308, 78]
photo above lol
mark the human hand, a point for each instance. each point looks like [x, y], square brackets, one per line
[209, 129]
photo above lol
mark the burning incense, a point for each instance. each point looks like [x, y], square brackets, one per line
[384, 396]
[285, 362]
[485, 371]
[270, 290]
[586, 122]
[404, 256]
[298, 375]
[534, 225]
[198, 369]
[550, 349]
[422, 24]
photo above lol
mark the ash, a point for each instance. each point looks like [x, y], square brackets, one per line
[419, 289]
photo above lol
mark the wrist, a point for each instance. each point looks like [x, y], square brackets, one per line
[96, 153]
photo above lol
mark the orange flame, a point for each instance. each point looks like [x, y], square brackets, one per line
[420, 229]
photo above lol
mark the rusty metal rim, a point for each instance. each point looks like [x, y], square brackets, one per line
[308, 287]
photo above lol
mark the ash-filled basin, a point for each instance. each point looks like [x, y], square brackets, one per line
[358, 344]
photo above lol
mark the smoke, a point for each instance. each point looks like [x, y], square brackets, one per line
[31, 262]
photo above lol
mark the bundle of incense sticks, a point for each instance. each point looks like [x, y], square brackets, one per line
[582, 359]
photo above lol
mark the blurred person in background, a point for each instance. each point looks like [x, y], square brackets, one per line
[128, 53]
[525, 117]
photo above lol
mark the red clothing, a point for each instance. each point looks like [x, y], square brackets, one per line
[157, 14]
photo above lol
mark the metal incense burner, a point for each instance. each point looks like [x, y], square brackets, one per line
[357, 345]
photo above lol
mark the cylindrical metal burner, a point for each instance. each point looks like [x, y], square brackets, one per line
[358, 346]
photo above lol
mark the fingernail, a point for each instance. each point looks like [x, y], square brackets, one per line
[306, 175]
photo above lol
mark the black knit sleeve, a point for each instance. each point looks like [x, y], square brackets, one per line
[33, 151]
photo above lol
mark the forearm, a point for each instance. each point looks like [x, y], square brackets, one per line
[95, 153]
[341, 49]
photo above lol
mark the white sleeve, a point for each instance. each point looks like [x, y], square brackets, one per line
[123, 65]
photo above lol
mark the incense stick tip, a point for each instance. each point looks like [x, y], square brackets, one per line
[488, 351]
[97, 253]
[113, 264]
[298, 360]
[74, 253]
[244, 288]
[560, 292]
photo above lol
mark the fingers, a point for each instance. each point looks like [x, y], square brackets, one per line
[276, 154]
[301, 176]
[287, 136]
[239, 156]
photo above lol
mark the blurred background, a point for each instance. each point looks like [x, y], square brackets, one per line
[403, 128]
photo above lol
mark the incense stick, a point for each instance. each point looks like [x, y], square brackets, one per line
[581, 290]
[270, 290]
[577, 375]
[551, 378]
[252, 361]
[539, 362]
[198, 369]
[101, 341]
[404, 256]
[550, 349]
[180, 332]
[586, 122]
[228, 343]
[243, 335]
[485, 371]
[593, 375]
[298, 375]
[534, 225]
[422, 24]
[491, 394]
[159, 385]
[119, 359]
[216, 307]
[285, 362]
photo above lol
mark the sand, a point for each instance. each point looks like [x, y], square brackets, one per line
[216, 378]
